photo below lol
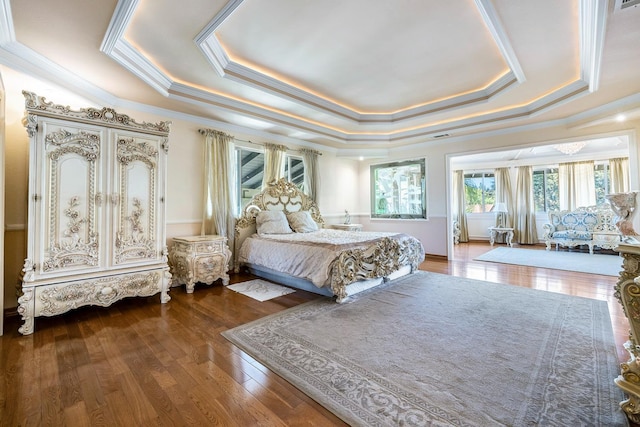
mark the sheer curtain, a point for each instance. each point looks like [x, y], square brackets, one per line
[504, 194]
[274, 161]
[525, 218]
[219, 199]
[311, 182]
[576, 185]
[459, 204]
[619, 174]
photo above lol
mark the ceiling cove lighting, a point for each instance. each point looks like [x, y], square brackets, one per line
[570, 147]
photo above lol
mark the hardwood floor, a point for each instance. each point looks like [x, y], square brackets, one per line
[143, 363]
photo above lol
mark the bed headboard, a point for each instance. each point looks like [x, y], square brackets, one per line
[280, 195]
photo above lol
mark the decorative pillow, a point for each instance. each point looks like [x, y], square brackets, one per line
[272, 222]
[301, 222]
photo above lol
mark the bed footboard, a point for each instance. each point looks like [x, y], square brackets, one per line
[378, 260]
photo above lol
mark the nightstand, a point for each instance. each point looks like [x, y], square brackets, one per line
[347, 227]
[199, 259]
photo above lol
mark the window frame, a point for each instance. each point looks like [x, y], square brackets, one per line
[484, 174]
[421, 213]
[238, 190]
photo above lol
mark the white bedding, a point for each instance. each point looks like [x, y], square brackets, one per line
[306, 255]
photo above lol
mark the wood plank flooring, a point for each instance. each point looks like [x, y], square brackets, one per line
[142, 363]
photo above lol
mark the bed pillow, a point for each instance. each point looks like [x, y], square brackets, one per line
[301, 222]
[272, 222]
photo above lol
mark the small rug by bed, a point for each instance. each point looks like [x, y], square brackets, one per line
[432, 349]
[260, 289]
[608, 265]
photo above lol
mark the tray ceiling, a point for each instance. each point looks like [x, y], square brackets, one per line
[344, 74]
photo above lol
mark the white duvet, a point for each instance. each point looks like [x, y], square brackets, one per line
[304, 255]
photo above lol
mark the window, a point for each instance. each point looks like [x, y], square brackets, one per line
[545, 189]
[480, 192]
[250, 168]
[601, 174]
[294, 171]
[545, 186]
[398, 190]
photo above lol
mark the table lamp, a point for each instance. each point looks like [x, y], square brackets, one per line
[500, 209]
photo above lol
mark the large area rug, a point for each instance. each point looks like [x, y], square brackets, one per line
[608, 265]
[432, 349]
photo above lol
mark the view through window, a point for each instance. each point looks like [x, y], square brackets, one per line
[398, 190]
[250, 169]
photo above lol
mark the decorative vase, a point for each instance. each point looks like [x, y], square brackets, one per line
[347, 217]
[624, 206]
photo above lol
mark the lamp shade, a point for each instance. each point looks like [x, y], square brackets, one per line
[500, 207]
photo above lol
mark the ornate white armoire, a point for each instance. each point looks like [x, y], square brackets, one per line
[96, 226]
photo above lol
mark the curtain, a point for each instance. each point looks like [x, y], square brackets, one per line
[619, 174]
[311, 171]
[504, 194]
[219, 200]
[525, 218]
[274, 161]
[576, 185]
[460, 204]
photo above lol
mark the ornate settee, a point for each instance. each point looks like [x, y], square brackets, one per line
[591, 226]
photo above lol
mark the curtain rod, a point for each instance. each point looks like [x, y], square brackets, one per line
[204, 132]
[262, 145]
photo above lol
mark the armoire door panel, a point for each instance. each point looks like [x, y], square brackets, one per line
[137, 238]
[71, 181]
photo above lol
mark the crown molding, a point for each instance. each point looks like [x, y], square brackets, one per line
[593, 20]
[25, 60]
[7, 33]
[220, 17]
[117, 26]
[131, 59]
[494, 24]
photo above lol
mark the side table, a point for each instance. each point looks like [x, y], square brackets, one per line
[495, 231]
[199, 259]
[606, 240]
[347, 227]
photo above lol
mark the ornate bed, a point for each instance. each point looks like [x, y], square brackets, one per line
[345, 262]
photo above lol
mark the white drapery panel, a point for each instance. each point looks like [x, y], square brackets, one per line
[459, 205]
[619, 174]
[311, 182]
[504, 194]
[274, 162]
[576, 185]
[525, 218]
[219, 178]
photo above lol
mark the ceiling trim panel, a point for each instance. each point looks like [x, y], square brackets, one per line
[226, 68]
[593, 18]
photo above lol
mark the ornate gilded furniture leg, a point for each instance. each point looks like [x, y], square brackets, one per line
[627, 291]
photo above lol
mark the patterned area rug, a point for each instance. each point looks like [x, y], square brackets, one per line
[260, 289]
[432, 349]
[608, 265]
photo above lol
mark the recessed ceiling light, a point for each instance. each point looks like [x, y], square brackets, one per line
[621, 118]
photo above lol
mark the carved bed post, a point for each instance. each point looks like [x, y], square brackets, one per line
[627, 291]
